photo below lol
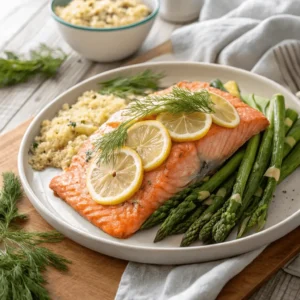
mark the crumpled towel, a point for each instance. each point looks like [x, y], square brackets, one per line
[258, 36]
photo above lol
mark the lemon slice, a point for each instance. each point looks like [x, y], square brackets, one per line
[113, 183]
[186, 127]
[225, 113]
[151, 140]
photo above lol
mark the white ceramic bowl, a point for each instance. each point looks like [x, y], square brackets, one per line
[284, 212]
[106, 44]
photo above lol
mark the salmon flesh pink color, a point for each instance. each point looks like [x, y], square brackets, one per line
[187, 162]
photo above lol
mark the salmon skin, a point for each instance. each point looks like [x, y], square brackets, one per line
[186, 162]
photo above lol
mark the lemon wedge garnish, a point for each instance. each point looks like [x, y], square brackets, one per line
[225, 113]
[115, 182]
[186, 127]
[151, 140]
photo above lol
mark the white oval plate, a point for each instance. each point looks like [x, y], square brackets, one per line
[284, 213]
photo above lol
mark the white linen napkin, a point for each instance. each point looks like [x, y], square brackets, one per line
[259, 36]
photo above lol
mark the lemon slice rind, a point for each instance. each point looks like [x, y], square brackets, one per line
[113, 183]
[186, 127]
[151, 140]
[225, 113]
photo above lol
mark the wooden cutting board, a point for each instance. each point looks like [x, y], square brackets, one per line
[95, 276]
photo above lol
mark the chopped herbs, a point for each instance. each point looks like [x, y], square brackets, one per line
[138, 84]
[22, 259]
[35, 145]
[88, 154]
[73, 124]
[15, 69]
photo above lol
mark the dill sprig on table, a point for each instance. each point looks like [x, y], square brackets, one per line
[22, 259]
[16, 69]
[177, 101]
[138, 84]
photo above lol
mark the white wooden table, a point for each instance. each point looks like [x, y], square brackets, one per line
[24, 24]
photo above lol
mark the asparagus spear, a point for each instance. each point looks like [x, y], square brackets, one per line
[205, 234]
[292, 138]
[193, 232]
[184, 226]
[290, 163]
[290, 118]
[217, 83]
[259, 168]
[261, 162]
[273, 173]
[199, 194]
[245, 217]
[229, 218]
[163, 211]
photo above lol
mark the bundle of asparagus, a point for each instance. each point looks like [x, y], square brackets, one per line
[249, 177]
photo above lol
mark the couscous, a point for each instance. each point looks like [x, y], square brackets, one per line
[103, 13]
[60, 138]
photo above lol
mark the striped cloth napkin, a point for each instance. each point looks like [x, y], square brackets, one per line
[259, 36]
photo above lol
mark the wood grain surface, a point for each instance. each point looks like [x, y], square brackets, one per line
[95, 276]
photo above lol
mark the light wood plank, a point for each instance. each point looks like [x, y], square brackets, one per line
[15, 16]
[28, 98]
[281, 286]
[36, 94]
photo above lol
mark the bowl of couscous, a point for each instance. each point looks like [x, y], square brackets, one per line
[104, 30]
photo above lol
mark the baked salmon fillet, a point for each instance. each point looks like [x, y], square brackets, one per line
[187, 162]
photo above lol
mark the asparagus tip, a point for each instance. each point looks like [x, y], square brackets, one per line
[160, 235]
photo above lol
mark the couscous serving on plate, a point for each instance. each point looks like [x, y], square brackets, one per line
[103, 13]
[60, 138]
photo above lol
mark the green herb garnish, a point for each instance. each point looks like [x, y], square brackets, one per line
[22, 260]
[35, 145]
[72, 124]
[138, 84]
[16, 69]
[177, 101]
[88, 155]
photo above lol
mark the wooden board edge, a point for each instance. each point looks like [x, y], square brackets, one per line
[263, 267]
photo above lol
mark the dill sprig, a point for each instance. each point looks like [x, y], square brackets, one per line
[16, 69]
[22, 259]
[177, 101]
[138, 84]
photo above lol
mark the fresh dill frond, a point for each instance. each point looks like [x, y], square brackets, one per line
[10, 194]
[177, 101]
[111, 142]
[21, 272]
[22, 259]
[16, 69]
[139, 84]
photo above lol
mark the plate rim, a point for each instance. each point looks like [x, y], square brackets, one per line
[43, 209]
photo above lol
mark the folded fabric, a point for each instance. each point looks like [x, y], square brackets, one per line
[259, 36]
[197, 281]
[293, 266]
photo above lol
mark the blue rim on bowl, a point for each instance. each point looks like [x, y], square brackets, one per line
[148, 18]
